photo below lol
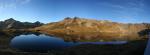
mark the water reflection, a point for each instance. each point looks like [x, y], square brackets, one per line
[42, 42]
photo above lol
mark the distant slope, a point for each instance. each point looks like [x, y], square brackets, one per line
[14, 24]
[87, 29]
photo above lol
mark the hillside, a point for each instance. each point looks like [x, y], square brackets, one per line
[96, 30]
[14, 24]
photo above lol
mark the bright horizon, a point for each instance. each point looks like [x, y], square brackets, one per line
[123, 11]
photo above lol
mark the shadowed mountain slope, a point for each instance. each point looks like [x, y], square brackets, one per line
[14, 24]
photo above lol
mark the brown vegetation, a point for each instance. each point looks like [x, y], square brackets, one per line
[88, 29]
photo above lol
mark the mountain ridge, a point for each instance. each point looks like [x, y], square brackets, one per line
[14, 24]
[79, 28]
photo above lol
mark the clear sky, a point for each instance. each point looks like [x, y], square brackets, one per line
[127, 11]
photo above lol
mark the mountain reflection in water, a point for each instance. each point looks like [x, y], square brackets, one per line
[42, 42]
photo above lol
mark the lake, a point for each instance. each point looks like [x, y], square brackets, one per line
[42, 42]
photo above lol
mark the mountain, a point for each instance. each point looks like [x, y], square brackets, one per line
[14, 24]
[96, 30]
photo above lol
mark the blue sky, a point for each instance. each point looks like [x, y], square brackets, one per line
[126, 11]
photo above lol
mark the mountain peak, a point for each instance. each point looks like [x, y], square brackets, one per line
[10, 20]
[74, 18]
[14, 24]
[67, 18]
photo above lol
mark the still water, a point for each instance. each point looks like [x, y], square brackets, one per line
[42, 42]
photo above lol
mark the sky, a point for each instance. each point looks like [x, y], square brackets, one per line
[125, 11]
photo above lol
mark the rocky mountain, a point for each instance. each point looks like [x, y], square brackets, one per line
[97, 30]
[14, 24]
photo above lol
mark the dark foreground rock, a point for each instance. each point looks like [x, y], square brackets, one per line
[132, 48]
